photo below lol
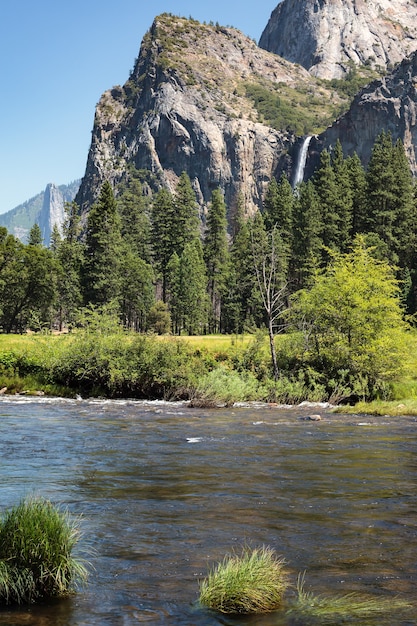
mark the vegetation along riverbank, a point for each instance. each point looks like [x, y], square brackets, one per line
[106, 361]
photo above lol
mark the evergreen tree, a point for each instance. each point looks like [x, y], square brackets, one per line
[391, 208]
[101, 275]
[278, 213]
[344, 200]
[69, 252]
[307, 243]
[35, 236]
[137, 290]
[327, 192]
[135, 222]
[193, 302]
[162, 234]
[357, 178]
[186, 226]
[216, 256]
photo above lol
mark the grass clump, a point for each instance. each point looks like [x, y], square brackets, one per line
[253, 582]
[344, 609]
[36, 544]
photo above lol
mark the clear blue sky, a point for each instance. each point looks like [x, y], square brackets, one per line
[57, 58]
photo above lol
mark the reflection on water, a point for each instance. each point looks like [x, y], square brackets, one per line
[166, 490]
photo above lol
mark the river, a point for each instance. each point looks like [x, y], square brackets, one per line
[165, 491]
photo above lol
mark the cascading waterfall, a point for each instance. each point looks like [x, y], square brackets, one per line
[301, 163]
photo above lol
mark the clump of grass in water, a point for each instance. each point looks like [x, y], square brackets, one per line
[328, 611]
[36, 562]
[253, 582]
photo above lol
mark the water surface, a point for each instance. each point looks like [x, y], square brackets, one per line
[165, 491]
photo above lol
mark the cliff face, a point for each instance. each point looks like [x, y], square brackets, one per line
[325, 36]
[186, 108]
[388, 104]
[44, 209]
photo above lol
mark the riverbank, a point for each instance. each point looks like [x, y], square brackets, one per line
[206, 371]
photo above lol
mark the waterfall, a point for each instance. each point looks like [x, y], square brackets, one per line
[302, 158]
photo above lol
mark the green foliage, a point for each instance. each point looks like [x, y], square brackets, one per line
[222, 386]
[216, 256]
[351, 320]
[253, 582]
[36, 544]
[101, 272]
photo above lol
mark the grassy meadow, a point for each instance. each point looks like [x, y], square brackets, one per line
[208, 370]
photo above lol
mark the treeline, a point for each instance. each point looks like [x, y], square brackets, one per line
[148, 259]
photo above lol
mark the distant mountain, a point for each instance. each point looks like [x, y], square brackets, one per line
[44, 209]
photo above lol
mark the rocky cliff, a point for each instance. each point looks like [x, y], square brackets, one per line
[44, 209]
[326, 36]
[205, 100]
[388, 104]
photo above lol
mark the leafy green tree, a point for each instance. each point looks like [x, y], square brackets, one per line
[352, 321]
[103, 250]
[216, 255]
[27, 279]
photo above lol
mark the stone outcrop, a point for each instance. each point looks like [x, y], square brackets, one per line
[44, 209]
[388, 104]
[185, 108]
[325, 36]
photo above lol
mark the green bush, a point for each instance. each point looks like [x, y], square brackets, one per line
[36, 543]
[253, 582]
[224, 386]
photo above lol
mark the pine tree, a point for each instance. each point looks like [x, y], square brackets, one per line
[162, 234]
[327, 192]
[193, 301]
[357, 178]
[391, 208]
[216, 256]
[135, 222]
[69, 252]
[307, 243]
[35, 236]
[344, 199]
[101, 275]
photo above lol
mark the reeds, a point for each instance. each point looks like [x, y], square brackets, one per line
[253, 582]
[356, 607]
[36, 544]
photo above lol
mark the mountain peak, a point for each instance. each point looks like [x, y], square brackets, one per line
[327, 36]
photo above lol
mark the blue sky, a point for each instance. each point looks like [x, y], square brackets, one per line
[57, 58]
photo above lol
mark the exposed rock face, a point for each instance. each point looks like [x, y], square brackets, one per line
[185, 108]
[388, 104]
[325, 35]
[44, 209]
[51, 213]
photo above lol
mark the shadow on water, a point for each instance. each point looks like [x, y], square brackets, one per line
[166, 491]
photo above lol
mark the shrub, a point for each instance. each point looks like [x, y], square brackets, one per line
[253, 582]
[36, 542]
[223, 386]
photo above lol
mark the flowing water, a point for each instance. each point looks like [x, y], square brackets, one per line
[166, 491]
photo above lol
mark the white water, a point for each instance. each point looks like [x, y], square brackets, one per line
[301, 163]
